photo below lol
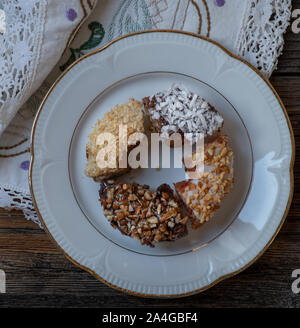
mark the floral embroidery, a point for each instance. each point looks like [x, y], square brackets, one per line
[71, 14]
[25, 165]
[97, 35]
[219, 3]
[202, 10]
[131, 16]
[156, 8]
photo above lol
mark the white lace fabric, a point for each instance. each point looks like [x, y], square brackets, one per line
[19, 200]
[19, 54]
[261, 39]
[35, 36]
[38, 31]
[14, 162]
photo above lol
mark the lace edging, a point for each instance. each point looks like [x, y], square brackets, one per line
[19, 54]
[261, 38]
[12, 199]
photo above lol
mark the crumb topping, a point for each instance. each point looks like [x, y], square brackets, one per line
[129, 114]
[203, 196]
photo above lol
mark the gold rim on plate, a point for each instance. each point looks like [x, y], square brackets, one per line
[220, 278]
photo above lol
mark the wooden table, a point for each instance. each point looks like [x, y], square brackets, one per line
[39, 275]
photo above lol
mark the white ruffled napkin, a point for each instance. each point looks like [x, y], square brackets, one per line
[38, 32]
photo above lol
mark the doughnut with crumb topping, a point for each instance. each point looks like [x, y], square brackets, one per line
[129, 114]
[202, 196]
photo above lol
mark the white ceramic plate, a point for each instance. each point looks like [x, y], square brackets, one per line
[136, 66]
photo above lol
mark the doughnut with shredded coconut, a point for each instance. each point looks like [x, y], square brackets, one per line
[180, 110]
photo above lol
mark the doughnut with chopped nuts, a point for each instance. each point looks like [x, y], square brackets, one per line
[129, 114]
[180, 110]
[138, 212]
[202, 196]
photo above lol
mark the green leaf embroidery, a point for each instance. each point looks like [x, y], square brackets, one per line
[97, 35]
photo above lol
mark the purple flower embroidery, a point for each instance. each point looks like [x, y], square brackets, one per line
[24, 165]
[219, 3]
[71, 14]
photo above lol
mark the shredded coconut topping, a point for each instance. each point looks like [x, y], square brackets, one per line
[186, 112]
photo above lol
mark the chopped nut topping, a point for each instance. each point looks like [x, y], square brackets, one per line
[159, 218]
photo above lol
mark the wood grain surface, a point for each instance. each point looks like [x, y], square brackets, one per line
[39, 275]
